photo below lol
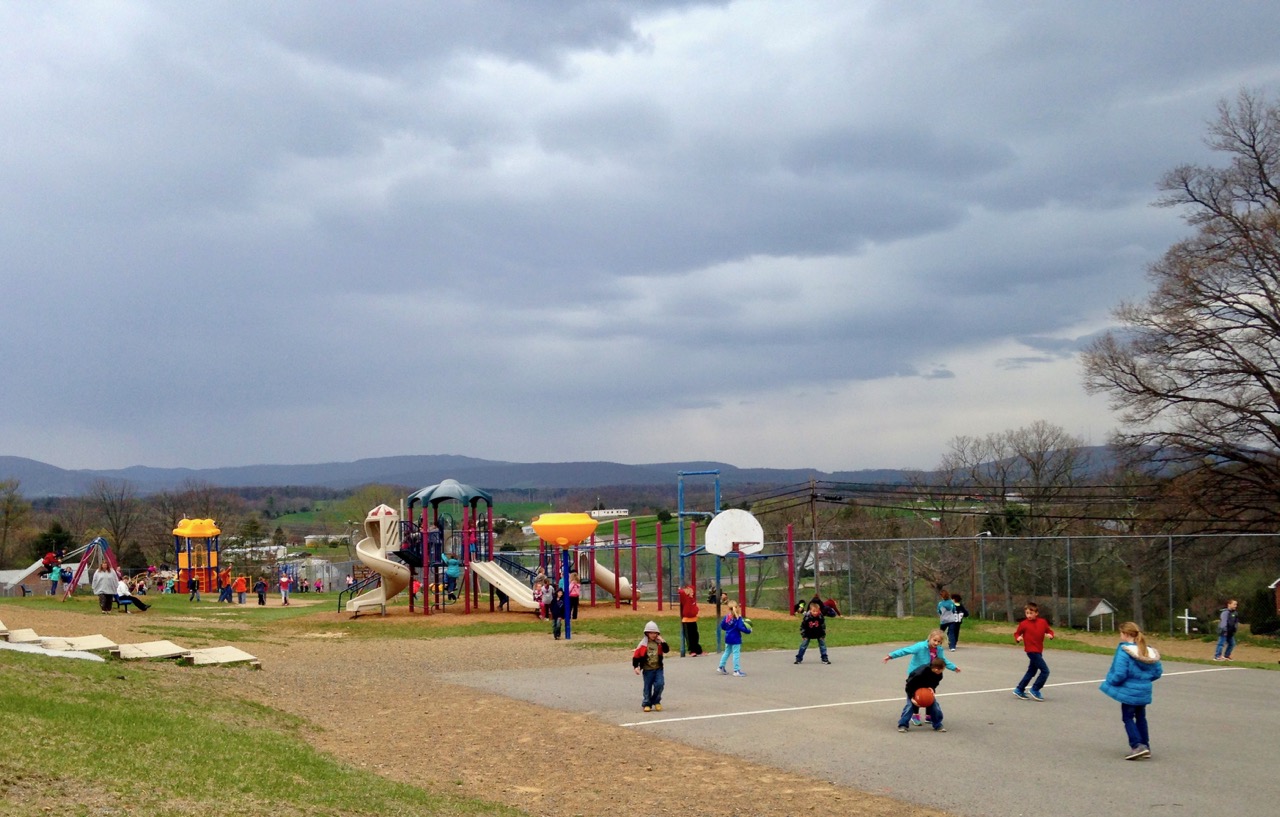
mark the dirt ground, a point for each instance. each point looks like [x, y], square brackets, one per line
[379, 704]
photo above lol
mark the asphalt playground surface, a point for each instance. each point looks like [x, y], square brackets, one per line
[1215, 728]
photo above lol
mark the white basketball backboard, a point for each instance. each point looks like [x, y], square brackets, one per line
[734, 526]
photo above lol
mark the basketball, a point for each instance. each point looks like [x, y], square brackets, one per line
[923, 697]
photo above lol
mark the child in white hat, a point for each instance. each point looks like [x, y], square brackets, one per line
[647, 661]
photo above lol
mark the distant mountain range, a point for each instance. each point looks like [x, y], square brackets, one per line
[40, 479]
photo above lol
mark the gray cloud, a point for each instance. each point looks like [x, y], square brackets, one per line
[241, 232]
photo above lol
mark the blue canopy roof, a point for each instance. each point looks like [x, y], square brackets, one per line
[447, 490]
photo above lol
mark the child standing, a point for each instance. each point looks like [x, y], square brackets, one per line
[647, 661]
[734, 628]
[557, 612]
[1133, 669]
[923, 654]
[1228, 623]
[813, 625]
[926, 677]
[953, 634]
[260, 587]
[1030, 633]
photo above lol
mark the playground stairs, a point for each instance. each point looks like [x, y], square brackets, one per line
[147, 650]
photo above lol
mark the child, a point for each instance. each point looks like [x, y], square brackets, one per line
[1133, 669]
[813, 625]
[557, 612]
[260, 587]
[1030, 634]
[927, 676]
[548, 595]
[953, 633]
[537, 598]
[1228, 623]
[923, 654]
[647, 660]
[734, 628]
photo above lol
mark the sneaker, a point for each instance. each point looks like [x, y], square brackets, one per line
[826, 660]
[902, 728]
[1017, 693]
[1227, 658]
[915, 720]
[952, 649]
[721, 670]
[939, 728]
[1138, 753]
[657, 707]
[928, 719]
[1218, 658]
[739, 674]
[648, 709]
[1036, 696]
[799, 660]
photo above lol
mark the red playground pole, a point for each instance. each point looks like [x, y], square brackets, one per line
[791, 569]
[591, 579]
[657, 530]
[742, 579]
[617, 568]
[635, 592]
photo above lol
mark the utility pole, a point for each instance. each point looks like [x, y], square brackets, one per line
[813, 533]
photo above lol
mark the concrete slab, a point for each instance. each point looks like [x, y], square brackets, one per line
[1000, 756]
[87, 643]
[219, 655]
[149, 650]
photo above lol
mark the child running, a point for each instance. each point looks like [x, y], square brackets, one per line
[647, 661]
[1030, 633]
[928, 676]
[813, 625]
[923, 654]
[734, 628]
[1133, 669]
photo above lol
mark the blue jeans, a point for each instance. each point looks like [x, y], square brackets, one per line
[736, 651]
[654, 682]
[953, 633]
[804, 645]
[1135, 725]
[1227, 641]
[1035, 663]
[934, 710]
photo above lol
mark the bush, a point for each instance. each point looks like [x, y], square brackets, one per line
[1260, 611]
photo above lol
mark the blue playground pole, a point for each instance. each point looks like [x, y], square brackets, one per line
[564, 579]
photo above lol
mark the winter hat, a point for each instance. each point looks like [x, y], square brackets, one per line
[652, 627]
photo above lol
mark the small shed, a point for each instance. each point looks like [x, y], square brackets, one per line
[1101, 609]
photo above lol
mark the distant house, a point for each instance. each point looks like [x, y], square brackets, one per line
[325, 539]
[612, 513]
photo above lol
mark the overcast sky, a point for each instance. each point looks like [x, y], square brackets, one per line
[788, 234]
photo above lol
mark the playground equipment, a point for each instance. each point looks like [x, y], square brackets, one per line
[473, 541]
[95, 552]
[196, 552]
[565, 530]
[381, 541]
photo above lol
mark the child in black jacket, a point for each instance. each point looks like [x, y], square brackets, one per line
[556, 609]
[927, 677]
[813, 625]
[647, 660]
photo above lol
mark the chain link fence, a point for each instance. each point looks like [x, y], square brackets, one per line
[1089, 582]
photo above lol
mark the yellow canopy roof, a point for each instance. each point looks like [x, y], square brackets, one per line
[196, 528]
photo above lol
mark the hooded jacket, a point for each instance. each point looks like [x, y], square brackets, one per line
[1130, 677]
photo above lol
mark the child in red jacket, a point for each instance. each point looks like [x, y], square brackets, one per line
[1031, 633]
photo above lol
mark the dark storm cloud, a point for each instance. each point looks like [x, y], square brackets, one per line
[303, 231]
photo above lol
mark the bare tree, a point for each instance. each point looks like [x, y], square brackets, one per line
[118, 507]
[13, 513]
[1195, 373]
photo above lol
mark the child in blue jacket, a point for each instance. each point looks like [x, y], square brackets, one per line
[1133, 669]
[922, 653]
[734, 628]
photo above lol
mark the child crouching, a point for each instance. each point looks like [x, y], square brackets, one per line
[926, 677]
